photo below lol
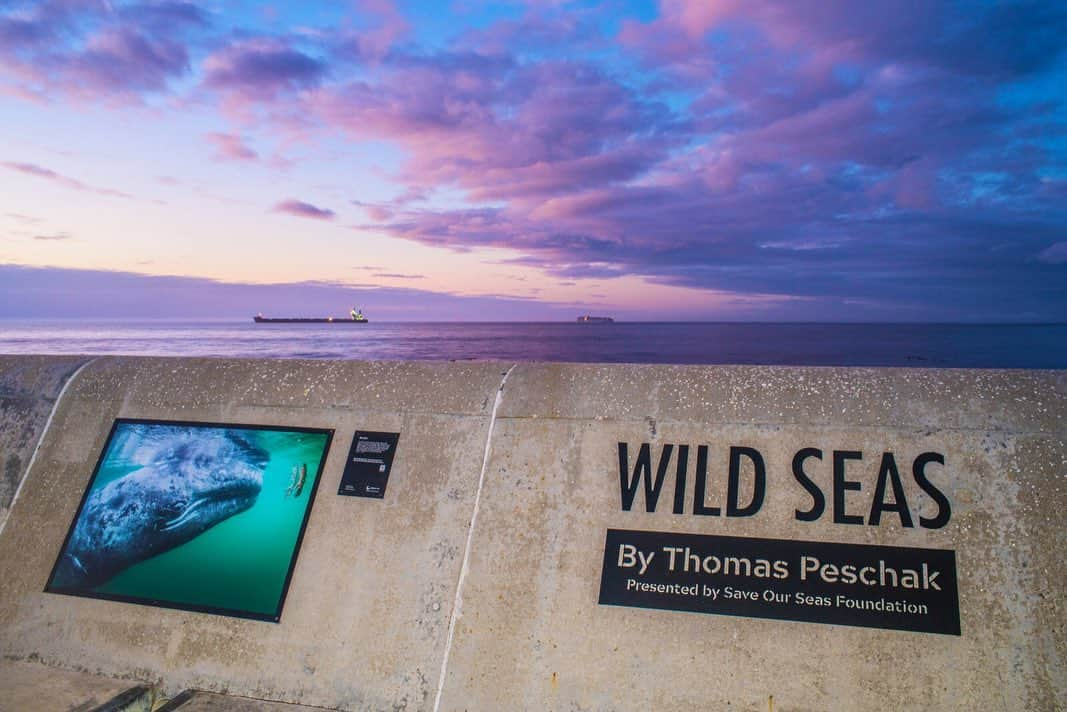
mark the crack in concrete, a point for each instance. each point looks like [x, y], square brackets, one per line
[457, 603]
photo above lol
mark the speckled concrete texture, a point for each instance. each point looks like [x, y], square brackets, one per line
[29, 386]
[532, 635]
[366, 613]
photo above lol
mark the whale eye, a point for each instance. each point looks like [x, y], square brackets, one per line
[201, 461]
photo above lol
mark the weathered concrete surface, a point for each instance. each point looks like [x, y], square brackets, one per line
[29, 386]
[364, 622]
[531, 634]
[25, 687]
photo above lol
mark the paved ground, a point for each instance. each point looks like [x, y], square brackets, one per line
[209, 702]
[31, 686]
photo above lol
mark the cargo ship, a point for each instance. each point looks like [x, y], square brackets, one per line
[354, 317]
[586, 319]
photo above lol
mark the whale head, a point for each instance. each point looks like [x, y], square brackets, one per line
[190, 483]
[199, 483]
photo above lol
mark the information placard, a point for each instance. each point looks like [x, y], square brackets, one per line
[888, 587]
[369, 461]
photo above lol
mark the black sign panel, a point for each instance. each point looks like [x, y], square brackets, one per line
[888, 587]
[369, 460]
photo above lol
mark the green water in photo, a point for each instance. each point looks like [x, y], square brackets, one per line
[241, 563]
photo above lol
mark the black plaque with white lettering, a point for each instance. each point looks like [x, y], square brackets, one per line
[890, 587]
[369, 461]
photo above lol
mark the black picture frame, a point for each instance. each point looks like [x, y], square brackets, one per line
[192, 426]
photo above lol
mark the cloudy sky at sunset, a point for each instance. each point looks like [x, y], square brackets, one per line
[457, 159]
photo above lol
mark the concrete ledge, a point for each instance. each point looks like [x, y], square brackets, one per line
[897, 398]
[399, 604]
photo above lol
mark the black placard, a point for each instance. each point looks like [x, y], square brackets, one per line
[369, 461]
[890, 587]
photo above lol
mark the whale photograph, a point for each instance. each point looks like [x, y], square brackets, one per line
[198, 516]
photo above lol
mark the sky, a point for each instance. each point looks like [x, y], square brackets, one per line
[811, 160]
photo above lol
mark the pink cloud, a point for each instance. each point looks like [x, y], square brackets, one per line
[231, 147]
[303, 210]
[916, 186]
[32, 169]
[395, 275]
[378, 213]
[502, 131]
[385, 26]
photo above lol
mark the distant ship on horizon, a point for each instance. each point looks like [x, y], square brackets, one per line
[354, 317]
[587, 319]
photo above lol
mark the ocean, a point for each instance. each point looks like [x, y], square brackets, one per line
[1029, 346]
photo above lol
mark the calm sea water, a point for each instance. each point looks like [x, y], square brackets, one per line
[919, 345]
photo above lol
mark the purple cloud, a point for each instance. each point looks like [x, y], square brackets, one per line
[996, 40]
[503, 130]
[303, 210]
[96, 50]
[24, 27]
[382, 26]
[50, 292]
[262, 69]
[22, 32]
[32, 169]
[820, 153]
[124, 60]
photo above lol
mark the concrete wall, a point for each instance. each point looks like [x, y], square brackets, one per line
[367, 622]
[363, 624]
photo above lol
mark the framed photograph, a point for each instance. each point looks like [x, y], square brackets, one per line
[202, 517]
